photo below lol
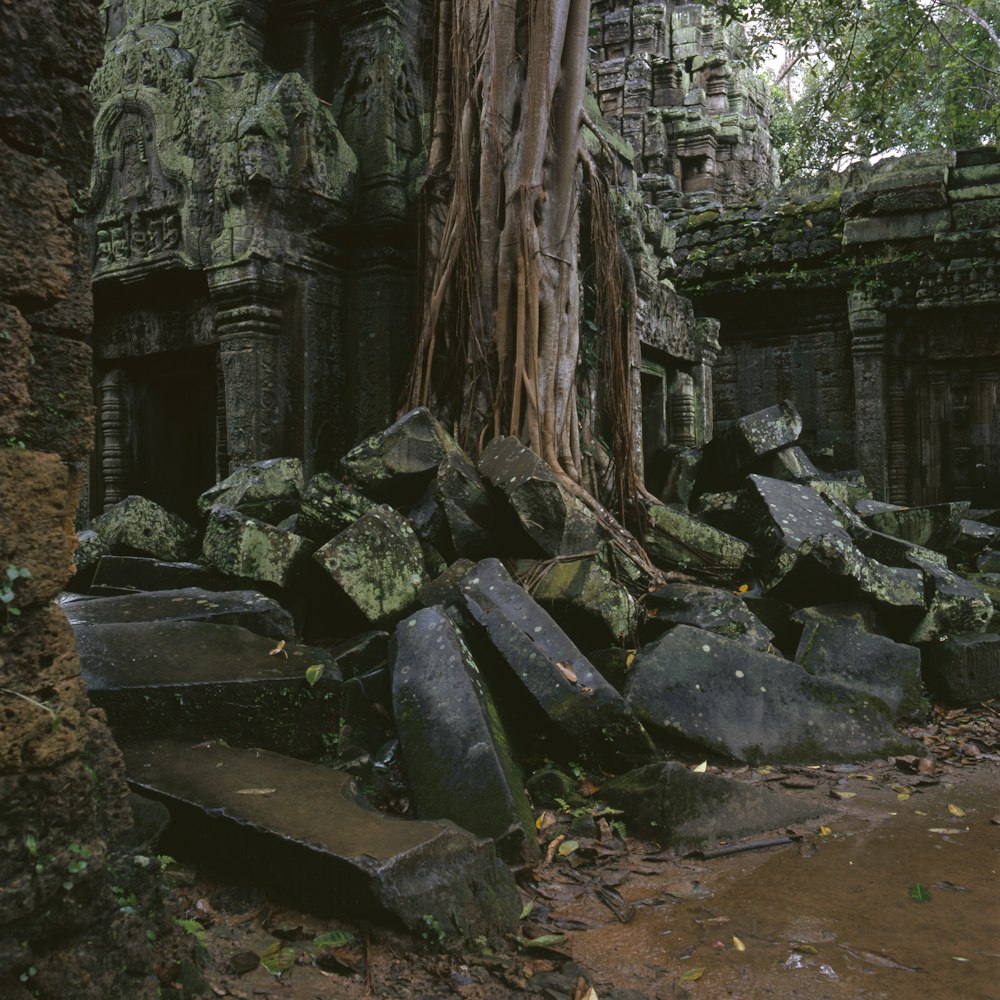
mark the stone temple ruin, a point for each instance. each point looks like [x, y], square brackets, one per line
[252, 241]
[248, 249]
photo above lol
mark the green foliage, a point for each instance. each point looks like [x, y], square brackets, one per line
[877, 77]
[12, 575]
[434, 932]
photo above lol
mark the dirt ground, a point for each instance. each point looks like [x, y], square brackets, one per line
[890, 895]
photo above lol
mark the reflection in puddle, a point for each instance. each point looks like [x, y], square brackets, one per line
[900, 900]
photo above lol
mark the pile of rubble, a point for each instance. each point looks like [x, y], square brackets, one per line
[474, 621]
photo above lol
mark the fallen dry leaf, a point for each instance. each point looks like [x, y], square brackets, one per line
[567, 671]
[955, 810]
[256, 791]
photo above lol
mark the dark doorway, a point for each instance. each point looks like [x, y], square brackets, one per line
[172, 436]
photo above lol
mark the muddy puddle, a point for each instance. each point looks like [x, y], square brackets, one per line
[891, 898]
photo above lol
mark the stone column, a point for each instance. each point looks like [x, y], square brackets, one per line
[248, 326]
[114, 438]
[682, 411]
[896, 457]
[871, 409]
[708, 353]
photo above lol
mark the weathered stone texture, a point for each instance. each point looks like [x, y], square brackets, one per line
[61, 779]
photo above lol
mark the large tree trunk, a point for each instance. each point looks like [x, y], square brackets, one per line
[501, 315]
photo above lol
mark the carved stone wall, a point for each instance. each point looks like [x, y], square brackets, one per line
[670, 77]
[872, 300]
[251, 231]
[62, 792]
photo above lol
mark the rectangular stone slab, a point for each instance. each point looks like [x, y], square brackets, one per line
[246, 608]
[305, 831]
[552, 670]
[202, 680]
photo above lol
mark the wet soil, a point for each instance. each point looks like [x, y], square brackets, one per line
[893, 894]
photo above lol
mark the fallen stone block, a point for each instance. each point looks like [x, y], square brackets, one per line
[468, 519]
[964, 669]
[307, 832]
[128, 574]
[719, 612]
[892, 551]
[873, 665]
[268, 490]
[833, 568]
[137, 526]
[252, 549]
[329, 507]
[726, 698]
[683, 809]
[200, 680]
[361, 653]
[973, 538]
[90, 549]
[378, 564]
[456, 754]
[557, 522]
[953, 603]
[730, 454]
[246, 608]
[552, 670]
[789, 463]
[677, 540]
[587, 601]
[397, 465]
[935, 526]
[779, 517]
[446, 587]
[988, 561]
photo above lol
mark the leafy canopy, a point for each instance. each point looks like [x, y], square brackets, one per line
[859, 79]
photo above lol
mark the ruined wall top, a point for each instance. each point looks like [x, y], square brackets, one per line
[913, 232]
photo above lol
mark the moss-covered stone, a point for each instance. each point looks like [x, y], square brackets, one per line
[243, 546]
[457, 756]
[269, 490]
[136, 525]
[378, 563]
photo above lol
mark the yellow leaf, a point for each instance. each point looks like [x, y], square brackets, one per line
[692, 975]
[567, 847]
[630, 659]
[903, 796]
[945, 829]
[545, 820]
[256, 791]
[743, 588]
[567, 671]
[279, 650]
[955, 811]
[806, 949]
[842, 795]
[824, 831]
[738, 944]
[701, 768]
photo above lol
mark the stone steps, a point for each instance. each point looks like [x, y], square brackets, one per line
[198, 680]
[305, 832]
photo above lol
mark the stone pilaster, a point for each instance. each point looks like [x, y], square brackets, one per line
[708, 353]
[114, 434]
[871, 408]
[682, 411]
[248, 326]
